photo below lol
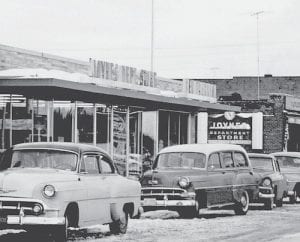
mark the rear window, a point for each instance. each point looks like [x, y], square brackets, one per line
[180, 160]
[262, 163]
[286, 161]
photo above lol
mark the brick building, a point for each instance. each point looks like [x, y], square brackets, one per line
[247, 87]
[279, 102]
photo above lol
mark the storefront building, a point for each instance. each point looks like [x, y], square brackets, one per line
[130, 113]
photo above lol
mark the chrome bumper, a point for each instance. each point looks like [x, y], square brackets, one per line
[264, 195]
[20, 218]
[34, 220]
[290, 193]
[168, 203]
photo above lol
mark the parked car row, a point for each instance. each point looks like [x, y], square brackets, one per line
[51, 187]
[186, 178]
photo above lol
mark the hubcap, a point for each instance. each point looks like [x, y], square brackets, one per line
[243, 201]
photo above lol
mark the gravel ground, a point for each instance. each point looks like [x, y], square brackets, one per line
[280, 224]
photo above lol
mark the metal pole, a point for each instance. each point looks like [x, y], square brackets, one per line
[152, 40]
[257, 50]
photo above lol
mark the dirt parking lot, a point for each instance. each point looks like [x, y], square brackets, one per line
[281, 224]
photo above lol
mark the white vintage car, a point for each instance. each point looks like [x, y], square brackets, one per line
[50, 187]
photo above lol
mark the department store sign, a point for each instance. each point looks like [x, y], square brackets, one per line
[115, 72]
[230, 128]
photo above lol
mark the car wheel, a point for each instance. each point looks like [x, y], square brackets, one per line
[279, 202]
[188, 212]
[293, 198]
[241, 207]
[119, 226]
[269, 204]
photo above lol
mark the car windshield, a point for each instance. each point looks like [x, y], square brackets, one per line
[180, 159]
[287, 161]
[44, 158]
[262, 163]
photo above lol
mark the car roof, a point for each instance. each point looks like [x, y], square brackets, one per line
[260, 155]
[202, 148]
[75, 147]
[287, 153]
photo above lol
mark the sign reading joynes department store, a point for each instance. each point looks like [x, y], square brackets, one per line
[229, 128]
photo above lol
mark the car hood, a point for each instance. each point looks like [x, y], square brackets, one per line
[291, 173]
[168, 178]
[263, 172]
[22, 182]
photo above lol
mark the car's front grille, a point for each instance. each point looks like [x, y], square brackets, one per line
[161, 193]
[14, 207]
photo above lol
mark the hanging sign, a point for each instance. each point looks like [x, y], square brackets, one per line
[229, 128]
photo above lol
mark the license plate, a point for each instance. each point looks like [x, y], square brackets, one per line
[3, 219]
[149, 202]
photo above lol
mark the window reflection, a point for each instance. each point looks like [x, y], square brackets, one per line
[40, 120]
[120, 138]
[103, 113]
[63, 119]
[173, 128]
[149, 137]
[22, 120]
[85, 123]
[5, 121]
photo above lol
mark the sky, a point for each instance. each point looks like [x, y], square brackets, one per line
[192, 38]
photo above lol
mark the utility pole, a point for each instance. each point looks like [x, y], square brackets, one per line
[257, 50]
[152, 40]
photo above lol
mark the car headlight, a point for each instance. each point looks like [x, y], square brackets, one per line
[49, 191]
[184, 182]
[267, 182]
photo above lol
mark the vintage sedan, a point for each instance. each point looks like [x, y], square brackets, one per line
[272, 185]
[290, 166]
[186, 178]
[50, 187]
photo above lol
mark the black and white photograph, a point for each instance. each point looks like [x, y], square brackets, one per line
[149, 120]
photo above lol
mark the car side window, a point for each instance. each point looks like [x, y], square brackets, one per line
[277, 165]
[214, 161]
[227, 159]
[240, 159]
[106, 166]
[90, 164]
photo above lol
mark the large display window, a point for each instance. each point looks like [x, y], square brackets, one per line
[40, 115]
[63, 121]
[85, 123]
[5, 121]
[172, 128]
[103, 127]
[22, 123]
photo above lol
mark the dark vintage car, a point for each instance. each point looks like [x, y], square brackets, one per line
[272, 185]
[50, 187]
[186, 178]
[290, 166]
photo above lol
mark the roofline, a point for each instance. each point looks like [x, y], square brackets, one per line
[14, 85]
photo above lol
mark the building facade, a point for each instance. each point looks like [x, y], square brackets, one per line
[130, 113]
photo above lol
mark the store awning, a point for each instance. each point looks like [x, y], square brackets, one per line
[56, 89]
